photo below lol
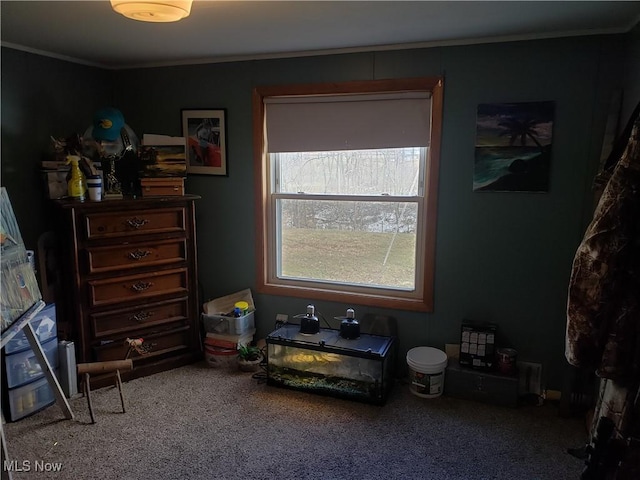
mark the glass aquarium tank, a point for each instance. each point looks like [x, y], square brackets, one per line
[326, 363]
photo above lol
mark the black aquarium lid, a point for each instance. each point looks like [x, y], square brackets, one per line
[330, 340]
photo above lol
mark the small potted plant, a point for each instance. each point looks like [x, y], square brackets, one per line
[249, 358]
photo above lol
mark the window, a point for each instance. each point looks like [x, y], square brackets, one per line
[346, 187]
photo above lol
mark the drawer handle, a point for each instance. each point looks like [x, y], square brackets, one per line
[141, 316]
[141, 286]
[136, 222]
[139, 254]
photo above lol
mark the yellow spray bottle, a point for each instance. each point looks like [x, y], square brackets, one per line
[77, 184]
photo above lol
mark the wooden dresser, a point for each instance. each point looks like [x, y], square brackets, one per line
[128, 271]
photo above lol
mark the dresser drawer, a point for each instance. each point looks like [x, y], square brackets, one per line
[155, 344]
[132, 255]
[137, 287]
[150, 315]
[134, 222]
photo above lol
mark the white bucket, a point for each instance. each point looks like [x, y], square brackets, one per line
[426, 371]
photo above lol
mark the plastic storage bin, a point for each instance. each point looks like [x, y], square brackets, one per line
[30, 398]
[24, 367]
[216, 318]
[44, 324]
[228, 325]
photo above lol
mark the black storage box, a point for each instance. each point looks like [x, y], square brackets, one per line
[482, 386]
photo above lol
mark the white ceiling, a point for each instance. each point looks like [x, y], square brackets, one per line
[90, 32]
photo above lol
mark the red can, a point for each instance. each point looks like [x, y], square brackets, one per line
[507, 360]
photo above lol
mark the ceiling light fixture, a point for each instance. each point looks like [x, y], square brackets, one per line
[153, 10]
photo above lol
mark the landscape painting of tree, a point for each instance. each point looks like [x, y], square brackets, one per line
[513, 147]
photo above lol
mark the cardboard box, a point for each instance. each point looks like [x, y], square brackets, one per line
[168, 186]
[55, 183]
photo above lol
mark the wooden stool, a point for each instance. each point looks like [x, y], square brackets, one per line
[86, 369]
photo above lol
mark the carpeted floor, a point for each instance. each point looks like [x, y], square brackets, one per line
[200, 423]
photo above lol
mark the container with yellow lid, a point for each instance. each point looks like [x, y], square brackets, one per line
[243, 306]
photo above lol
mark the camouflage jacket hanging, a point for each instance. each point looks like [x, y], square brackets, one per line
[603, 308]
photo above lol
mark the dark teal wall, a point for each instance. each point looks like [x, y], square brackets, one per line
[41, 97]
[501, 257]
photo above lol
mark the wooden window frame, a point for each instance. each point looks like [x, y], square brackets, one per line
[425, 303]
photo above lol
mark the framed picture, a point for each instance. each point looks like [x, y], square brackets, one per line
[513, 147]
[206, 134]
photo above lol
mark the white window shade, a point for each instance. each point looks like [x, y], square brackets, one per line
[347, 122]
